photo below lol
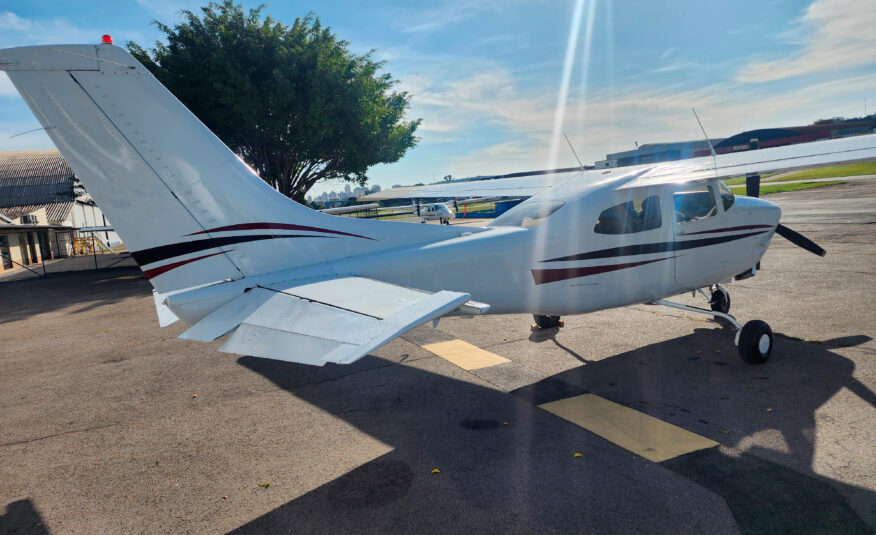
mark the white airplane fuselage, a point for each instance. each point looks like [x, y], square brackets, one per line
[561, 266]
[529, 270]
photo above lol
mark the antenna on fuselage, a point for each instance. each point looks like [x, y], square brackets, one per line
[580, 165]
[711, 148]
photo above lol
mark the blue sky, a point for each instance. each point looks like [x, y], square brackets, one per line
[488, 77]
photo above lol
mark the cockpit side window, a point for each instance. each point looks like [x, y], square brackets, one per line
[727, 197]
[695, 203]
[630, 217]
[527, 214]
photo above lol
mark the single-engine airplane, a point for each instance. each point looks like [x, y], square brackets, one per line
[435, 211]
[226, 253]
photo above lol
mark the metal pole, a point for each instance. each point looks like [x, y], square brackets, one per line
[94, 251]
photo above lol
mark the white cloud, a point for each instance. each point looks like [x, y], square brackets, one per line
[20, 31]
[675, 66]
[836, 35]
[434, 19]
[11, 21]
[169, 11]
[490, 103]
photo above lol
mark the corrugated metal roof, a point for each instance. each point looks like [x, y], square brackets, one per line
[34, 178]
[54, 212]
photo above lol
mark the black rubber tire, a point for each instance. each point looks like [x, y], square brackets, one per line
[546, 322]
[752, 342]
[721, 301]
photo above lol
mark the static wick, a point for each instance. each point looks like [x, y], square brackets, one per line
[29, 131]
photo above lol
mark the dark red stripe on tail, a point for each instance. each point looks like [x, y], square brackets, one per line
[544, 276]
[154, 272]
[278, 226]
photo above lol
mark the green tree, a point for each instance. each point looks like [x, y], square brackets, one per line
[292, 101]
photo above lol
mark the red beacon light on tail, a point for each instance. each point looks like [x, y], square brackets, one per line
[106, 40]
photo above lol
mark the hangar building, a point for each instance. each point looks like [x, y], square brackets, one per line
[750, 140]
[41, 210]
[777, 137]
[657, 152]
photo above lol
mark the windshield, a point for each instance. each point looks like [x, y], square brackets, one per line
[527, 214]
[727, 197]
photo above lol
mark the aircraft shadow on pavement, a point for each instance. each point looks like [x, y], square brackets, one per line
[21, 517]
[522, 477]
[23, 298]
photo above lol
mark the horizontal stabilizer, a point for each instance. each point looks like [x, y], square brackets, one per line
[335, 320]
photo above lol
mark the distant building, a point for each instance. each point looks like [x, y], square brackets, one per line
[40, 211]
[657, 152]
[749, 140]
[777, 137]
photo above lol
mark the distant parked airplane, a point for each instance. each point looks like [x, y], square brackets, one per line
[436, 212]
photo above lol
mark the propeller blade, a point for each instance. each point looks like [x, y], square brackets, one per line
[799, 240]
[752, 185]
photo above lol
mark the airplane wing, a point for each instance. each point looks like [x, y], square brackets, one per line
[336, 320]
[786, 158]
[734, 164]
[526, 186]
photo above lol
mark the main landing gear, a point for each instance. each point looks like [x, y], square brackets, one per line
[754, 340]
[546, 322]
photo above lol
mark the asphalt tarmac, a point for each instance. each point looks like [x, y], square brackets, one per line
[113, 425]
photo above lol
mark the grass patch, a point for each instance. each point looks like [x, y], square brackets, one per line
[835, 171]
[741, 180]
[779, 188]
[479, 207]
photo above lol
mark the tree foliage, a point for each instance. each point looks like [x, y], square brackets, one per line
[293, 101]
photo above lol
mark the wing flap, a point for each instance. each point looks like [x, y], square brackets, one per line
[225, 318]
[365, 296]
[268, 343]
[335, 320]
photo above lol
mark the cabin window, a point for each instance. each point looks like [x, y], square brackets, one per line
[727, 197]
[630, 217]
[527, 214]
[695, 203]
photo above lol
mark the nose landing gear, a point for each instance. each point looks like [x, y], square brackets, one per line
[754, 341]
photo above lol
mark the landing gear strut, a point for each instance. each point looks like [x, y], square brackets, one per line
[754, 340]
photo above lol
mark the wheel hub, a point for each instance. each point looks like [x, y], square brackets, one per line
[763, 345]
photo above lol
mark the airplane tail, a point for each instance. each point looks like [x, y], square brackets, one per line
[187, 207]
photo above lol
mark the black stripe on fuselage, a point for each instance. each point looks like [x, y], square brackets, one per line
[164, 252]
[650, 248]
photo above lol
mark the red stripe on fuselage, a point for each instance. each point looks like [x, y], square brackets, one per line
[154, 272]
[544, 276]
[279, 226]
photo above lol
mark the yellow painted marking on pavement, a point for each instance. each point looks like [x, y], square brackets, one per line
[466, 356]
[630, 429]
